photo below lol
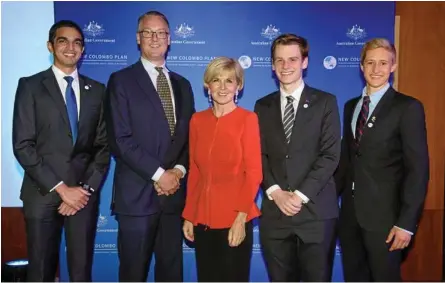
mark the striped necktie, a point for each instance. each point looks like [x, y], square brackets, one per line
[361, 120]
[289, 117]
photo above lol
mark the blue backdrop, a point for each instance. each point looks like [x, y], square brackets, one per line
[200, 31]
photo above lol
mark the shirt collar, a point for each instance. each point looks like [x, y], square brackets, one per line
[150, 67]
[376, 96]
[296, 94]
[60, 74]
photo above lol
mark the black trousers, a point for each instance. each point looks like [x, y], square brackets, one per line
[365, 254]
[216, 261]
[140, 236]
[44, 229]
[290, 258]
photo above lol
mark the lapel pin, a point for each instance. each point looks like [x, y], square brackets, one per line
[87, 87]
[373, 119]
[305, 105]
[370, 125]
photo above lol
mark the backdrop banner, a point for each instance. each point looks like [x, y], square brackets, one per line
[201, 31]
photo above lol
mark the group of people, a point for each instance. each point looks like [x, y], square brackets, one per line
[181, 173]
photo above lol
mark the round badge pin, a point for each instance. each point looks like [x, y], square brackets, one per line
[370, 125]
[305, 105]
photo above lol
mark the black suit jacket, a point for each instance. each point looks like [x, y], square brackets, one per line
[390, 168]
[308, 162]
[140, 139]
[42, 140]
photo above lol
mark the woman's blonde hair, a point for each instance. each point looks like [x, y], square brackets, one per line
[224, 64]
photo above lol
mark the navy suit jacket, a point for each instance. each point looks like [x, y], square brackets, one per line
[140, 139]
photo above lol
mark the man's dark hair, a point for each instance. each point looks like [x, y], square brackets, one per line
[153, 13]
[64, 24]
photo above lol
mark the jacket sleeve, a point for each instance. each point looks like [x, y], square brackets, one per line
[251, 163]
[416, 166]
[24, 139]
[268, 178]
[101, 152]
[329, 154]
[191, 200]
[120, 132]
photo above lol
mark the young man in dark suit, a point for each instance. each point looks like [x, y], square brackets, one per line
[383, 173]
[60, 140]
[148, 114]
[300, 140]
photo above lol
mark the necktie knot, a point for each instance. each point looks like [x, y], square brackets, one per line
[159, 69]
[69, 80]
[290, 99]
[366, 99]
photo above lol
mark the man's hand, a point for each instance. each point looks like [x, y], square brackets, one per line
[401, 239]
[288, 202]
[76, 197]
[66, 210]
[237, 232]
[168, 184]
[187, 228]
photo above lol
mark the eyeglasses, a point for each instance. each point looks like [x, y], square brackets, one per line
[149, 34]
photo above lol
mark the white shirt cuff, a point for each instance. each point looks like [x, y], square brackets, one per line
[409, 232]
[60, 183]
[270, 190]
[302, 196]
[182, 168]
[158, 174]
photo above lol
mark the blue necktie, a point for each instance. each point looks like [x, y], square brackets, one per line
[71, 107]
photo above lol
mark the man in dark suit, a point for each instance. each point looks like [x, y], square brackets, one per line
[383, 172]
[148, 112]
[59, 138]
[300, 139]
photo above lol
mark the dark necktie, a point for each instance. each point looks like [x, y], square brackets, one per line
[361, 120]
[288, 118]
[166, 98]
[71, 107]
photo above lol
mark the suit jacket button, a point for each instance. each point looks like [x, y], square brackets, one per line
[287, 156]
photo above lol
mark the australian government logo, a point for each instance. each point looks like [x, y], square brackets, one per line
[269, 33]
[331, 62]
[102, 225]
[186, 248]
[356, 34]
[247, 61]
[94, 33]
[185, 33]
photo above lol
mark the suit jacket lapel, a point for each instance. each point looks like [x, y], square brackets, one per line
[84, 100]
[54, 91]
[381, 109]
[144, 81]
[178, 98]
[303, 111]
[350, 114]
[276, 118]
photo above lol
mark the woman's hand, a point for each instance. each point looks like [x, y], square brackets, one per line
[187, 228]
[237, 232]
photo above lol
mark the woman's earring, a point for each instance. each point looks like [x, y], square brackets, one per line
[236, 97]
[210, 99]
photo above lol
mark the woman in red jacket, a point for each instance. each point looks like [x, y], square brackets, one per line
[224, 178]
